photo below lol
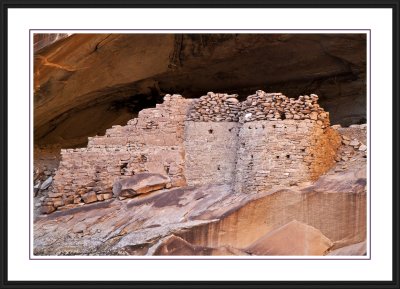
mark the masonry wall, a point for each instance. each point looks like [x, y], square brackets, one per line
[277, 141]
[153, 142]
[281, 153]
[210, 149]
[267, 141]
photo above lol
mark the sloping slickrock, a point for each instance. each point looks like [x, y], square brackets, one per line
[295, 239]
[207, 216]
[121, 227]
[358, 249]
[140, 184]
[335, 205]
[176, 246]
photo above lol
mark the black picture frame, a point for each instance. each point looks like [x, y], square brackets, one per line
[8, 4]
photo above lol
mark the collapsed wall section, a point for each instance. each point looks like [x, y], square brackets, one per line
[153, 142]
[276, 106]
[216, 107]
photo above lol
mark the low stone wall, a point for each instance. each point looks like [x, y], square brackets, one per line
[153, 142]
[210, 149]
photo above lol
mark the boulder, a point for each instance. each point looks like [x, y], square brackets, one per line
[47, 209]
[107, 195]
[139, 184]
[89, 197]
[58, 203]
[362, 148]
[295, 239]
[46, 183]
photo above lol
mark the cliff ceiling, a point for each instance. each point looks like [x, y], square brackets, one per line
[86, 83]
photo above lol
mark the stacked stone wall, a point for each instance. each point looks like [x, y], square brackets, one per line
[276, 106]
[266, 141]
[278, 141]
[216, 107]
[153, 142]
[282, 153]
[210, 149]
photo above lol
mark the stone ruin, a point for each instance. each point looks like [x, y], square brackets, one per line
[264, 142]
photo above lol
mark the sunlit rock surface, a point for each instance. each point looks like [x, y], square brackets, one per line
[294, 238]
[358, 249]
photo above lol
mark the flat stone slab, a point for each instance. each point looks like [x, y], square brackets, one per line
[139, 184]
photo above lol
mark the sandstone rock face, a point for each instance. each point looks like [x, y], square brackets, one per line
[335, 205]
[176, 246]
[207, 216]
[358, 249]
[140, 184]
[124, 227]
[41, 40]
[294, 238]
[70, 92]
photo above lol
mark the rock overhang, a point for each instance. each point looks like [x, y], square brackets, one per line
[147, 66]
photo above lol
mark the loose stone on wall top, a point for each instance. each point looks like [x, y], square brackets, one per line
[220, 107]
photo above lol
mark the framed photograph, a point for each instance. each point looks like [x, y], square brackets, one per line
[200, 144]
